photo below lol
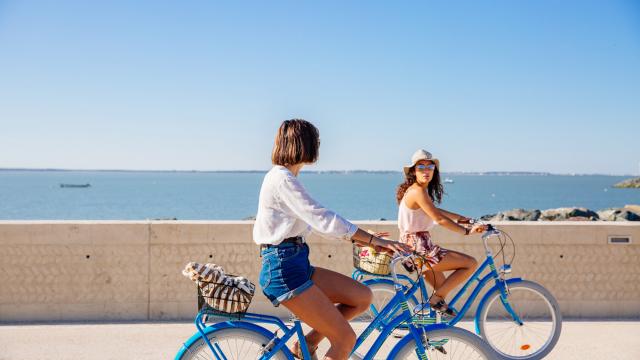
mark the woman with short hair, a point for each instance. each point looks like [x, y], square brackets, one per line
[286, 214]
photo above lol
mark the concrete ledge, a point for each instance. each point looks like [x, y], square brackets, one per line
[130, 270]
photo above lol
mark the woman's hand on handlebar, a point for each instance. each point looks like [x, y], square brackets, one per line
[478, 228]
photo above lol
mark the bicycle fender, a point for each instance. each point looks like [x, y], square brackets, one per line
[377, 281]
[369, 282]
[484, 300]
[229, 324]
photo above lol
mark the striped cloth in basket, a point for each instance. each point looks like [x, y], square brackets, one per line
[226, 293]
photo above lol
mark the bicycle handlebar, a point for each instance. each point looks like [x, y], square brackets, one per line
[491, 232]
[395, 260]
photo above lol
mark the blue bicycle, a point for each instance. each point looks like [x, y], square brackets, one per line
[243, 338]
[519, 319]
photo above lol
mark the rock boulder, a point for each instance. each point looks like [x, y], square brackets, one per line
[517, 215]
[618, 214]
[563, 214]
[630, 183]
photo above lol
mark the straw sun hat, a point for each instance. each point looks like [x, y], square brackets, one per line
[421, 155]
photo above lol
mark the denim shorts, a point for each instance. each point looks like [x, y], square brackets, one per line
[286, 271]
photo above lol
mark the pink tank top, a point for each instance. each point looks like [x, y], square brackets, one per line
[412, 221]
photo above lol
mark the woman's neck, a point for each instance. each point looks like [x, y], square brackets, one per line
[295, 169]
[423, 186]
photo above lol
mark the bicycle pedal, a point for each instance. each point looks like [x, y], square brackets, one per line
[441, 349]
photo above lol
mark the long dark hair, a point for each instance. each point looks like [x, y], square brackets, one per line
[434, 189]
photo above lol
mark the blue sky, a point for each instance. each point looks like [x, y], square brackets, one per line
[496, 85]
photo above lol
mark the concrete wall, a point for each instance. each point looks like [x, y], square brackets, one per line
[97, 270]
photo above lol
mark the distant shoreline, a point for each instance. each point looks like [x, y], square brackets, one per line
[478, 173]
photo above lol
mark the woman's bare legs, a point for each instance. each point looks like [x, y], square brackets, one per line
[316, 310]
[434, 278]
[352, 298]
[464, 266]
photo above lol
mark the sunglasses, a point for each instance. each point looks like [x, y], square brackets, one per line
[423, 167]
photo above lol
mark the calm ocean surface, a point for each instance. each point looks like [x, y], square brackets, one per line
[32, 195]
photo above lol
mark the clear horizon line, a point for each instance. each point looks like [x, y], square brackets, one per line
[490, 172]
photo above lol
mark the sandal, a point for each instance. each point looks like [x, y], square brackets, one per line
[442, 306]
[297, 353]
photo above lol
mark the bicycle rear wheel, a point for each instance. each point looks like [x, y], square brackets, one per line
[541, 321]
[233, 343]
[450, 343]
[383, 292]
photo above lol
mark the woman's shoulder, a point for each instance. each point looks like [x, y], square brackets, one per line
[414, 193]
[278, 172]
[279, 175]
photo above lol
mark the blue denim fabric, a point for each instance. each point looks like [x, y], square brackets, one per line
[286, 271]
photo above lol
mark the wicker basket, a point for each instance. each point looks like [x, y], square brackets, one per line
[223, 299]
[368, 259]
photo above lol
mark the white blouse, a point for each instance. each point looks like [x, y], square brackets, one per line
[285, 209]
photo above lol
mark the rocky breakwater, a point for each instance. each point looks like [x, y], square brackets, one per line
[629, 184]
[627, 213]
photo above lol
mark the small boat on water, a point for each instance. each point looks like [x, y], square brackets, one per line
[75, 185]
[448, 181]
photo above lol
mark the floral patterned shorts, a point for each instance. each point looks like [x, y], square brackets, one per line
[421, 243]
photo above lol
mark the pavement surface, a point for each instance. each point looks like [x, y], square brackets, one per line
[579, 340]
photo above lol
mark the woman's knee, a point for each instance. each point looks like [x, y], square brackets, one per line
[471, 262]
[366, 298]
[362, 297]
[465, 261]
[363, 300]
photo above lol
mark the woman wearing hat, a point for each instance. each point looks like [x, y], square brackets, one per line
[322, 298]
[417, 214]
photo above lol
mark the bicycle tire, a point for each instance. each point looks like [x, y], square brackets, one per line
[456, 344]
[493, 317]
[251, 343]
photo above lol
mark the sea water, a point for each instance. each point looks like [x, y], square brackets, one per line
[114, 195]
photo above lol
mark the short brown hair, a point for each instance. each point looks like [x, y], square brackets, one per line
[297, 141]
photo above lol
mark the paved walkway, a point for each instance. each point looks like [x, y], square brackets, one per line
[153, 341]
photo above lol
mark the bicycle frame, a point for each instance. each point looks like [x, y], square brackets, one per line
[489, 262]
[482, 282]
[277, 343]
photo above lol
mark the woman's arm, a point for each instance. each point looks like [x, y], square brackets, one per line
[426, 204]
[304, 207]
[455, 217]
[327, 222]
[366, 238]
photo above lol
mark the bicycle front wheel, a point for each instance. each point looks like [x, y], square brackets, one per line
[450, 343]
[541, 321]
[231, 344]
